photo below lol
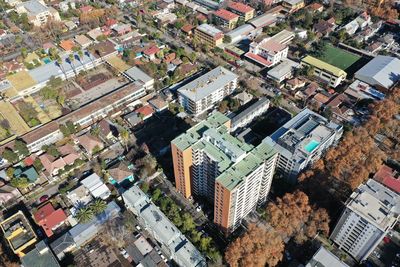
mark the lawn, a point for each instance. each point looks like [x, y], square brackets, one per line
[338, 57]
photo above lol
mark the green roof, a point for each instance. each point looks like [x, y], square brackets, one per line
[29, 173]
[324, 66]
[215, 120]
[231, 178]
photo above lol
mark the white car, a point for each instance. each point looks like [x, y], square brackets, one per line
[138, 227]
[124, 253]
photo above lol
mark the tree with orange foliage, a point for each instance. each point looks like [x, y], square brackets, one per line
[256, 248]
[293, 216]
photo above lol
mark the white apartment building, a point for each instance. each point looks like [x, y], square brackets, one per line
[302, 141]
[172, 242]
[271, 50]
[245, 117]
[207, 90]
[37, 11]
[371, 211]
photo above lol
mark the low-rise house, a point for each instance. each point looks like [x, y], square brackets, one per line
[324, 27]
[122, 29]
[90, 143]
[49, 219]
[151, 52]
[70, 25]
[295, 83]
[225, 18]
[158, 103]
[164, 19]
[53, 165]
[28, 172]
[82, 233]
[79, 196]
[316, 7]
[67, 45]
[107, 130]
[389, 177]
[319, 100]
[145, 112]
[187, 30]
[133, 118]
[282, 71]
[359, 90]
[96, 186]
[62, 245]
[243, 97]
[341, 108]
[41, 255]
[120, 174]
[83, 41]
[38, 12]
[8, 195]
[94, 33]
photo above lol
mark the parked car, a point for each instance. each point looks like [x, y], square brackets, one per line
[43, 198]
[124, 253]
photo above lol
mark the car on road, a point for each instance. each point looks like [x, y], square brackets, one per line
[124, 253]
[43, 198]
[138, 227]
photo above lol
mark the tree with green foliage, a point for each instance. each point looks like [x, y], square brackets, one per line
[98, 206]
[10, 155]
[145, 187]
[84, 214]
[188, 224]
[10, 172]
[38, 164]
[21, 147]
[51, 150]
[124, 134]
[21, 182]
[156, 195]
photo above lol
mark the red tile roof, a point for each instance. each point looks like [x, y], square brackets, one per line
[29, 161]
[187, 28]
[111, 22]
[151, 50]
[49, 218]
[225, 14]
[258, 59]
[388, 177]
[85, 9]
[145, 111]
[240, 7]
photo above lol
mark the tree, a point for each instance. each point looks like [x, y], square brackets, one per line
[98, 206]
[10, 155]
[257, 247]
[10, 172]
[21, 182]
[188, 224]
[144, 187]
[156, 195]
[52, 150]
[21, 147]
[84, 214]
[124, 133]
[38, 164]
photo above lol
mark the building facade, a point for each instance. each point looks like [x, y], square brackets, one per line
[208, 35]
[37, 11]
[204, 92]
[324, 71]
[302, 141]
[225, 18]
[245, 12]
[212, 164]
[371, 211]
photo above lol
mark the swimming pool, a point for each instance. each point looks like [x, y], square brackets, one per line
[46, 60]
[311, 146]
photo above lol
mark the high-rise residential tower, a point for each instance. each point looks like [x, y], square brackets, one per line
[210, 163]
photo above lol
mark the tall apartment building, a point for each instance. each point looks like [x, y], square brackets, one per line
[225, 18]
[244, 11]
[302, 141]
[212, 164]
[208, 35]
[207, 90]
[371, 211]
[271, 50]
